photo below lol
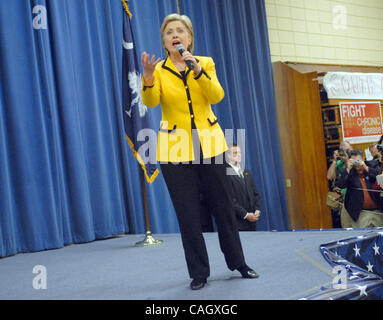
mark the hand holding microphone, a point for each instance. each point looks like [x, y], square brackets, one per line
[180, 48]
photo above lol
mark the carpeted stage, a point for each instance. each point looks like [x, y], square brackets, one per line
[290, 264]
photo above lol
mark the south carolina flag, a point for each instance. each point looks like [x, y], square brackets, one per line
[135, 112]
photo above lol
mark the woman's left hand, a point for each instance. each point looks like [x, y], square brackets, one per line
[186, 55]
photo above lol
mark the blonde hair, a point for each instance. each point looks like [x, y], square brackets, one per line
[187, 23]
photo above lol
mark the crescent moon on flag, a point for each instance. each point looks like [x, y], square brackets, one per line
[127, 45]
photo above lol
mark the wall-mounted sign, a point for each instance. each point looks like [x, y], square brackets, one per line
[349, 85]
[361, 121]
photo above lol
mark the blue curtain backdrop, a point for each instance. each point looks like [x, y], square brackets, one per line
[67, 174]
[235, 34]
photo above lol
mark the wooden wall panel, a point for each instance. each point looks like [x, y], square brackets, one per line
[322, 216]
[302, 147]
[283, 90]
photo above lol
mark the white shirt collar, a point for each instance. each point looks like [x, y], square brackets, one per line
[237, 169]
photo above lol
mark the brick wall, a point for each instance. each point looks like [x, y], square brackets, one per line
[321, 31]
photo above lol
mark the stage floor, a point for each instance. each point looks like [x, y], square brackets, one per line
[289, 263]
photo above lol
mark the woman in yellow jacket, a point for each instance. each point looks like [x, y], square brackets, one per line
[191, 146]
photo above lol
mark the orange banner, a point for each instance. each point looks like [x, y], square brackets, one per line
[361, 121]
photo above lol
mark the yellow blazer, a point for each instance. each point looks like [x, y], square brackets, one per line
[182, 100]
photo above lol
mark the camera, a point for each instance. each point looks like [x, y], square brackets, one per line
[379, 147]
[342, 153]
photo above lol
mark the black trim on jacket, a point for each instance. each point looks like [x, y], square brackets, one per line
[168, 130]
[212, 123]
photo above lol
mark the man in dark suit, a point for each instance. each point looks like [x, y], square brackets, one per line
[362, 206]
[247, 200]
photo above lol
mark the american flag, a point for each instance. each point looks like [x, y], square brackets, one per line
[359, 261]
[135, 113]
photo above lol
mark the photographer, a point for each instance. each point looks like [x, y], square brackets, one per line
[360, 208]
[340, 158]
[376, 151]
[339, 162]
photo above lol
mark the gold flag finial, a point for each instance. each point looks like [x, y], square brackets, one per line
[125, 3]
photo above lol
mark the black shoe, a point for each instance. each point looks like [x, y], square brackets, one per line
[247, 272]
[197, 284]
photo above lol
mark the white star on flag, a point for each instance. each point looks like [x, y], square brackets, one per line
[376, 249]
[369, 267]
[362, 290]
[356, 249]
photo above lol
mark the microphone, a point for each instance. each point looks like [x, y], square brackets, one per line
[181, 50]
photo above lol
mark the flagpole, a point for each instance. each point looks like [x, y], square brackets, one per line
[149, 239]
[127, 34]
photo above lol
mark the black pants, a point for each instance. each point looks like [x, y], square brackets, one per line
[185, 183]
[335, 216]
